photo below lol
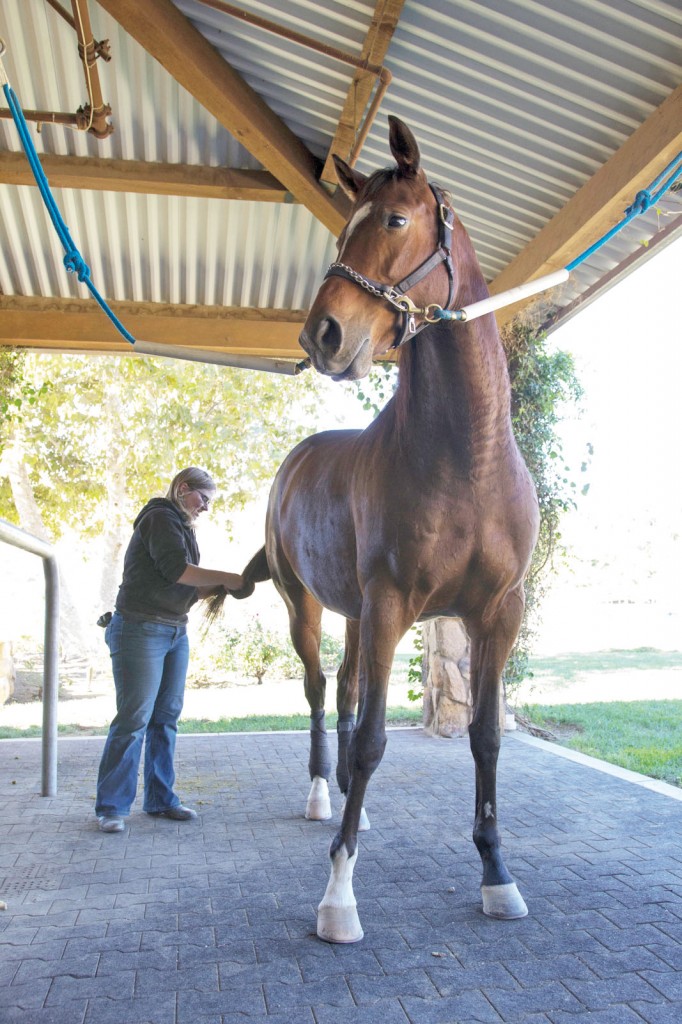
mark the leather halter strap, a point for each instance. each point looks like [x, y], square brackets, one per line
[395, 294]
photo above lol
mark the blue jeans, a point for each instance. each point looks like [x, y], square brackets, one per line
[149, 662]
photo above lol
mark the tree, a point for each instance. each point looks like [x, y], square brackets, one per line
[100, 435]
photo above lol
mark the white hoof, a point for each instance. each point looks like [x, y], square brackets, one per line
[363, 824]
[319, 806]
[503, 901]
[338, 924]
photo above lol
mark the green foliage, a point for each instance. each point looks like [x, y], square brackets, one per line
[254, 650]
[543, 387]
[16, 392]
[331, 652]
[415, 671]
[376, 389]
[643, 736]
[97, 428]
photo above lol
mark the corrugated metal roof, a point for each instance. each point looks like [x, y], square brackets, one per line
[515, 104]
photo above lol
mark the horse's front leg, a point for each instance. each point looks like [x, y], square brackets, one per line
[383, 623]
[305, 617]
[489, 653]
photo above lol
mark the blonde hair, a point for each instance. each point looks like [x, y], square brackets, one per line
[196, 480]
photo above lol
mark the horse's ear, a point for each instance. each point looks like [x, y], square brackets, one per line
[403, 146]
[351, 181]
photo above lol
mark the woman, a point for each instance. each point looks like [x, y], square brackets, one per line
[147, 638]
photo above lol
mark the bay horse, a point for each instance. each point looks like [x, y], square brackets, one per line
[429, 511]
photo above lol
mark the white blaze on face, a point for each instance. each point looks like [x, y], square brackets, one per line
[356, 219]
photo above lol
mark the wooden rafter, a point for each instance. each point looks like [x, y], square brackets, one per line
[171, 39]
[600, 203]
[146, 177]
[384, 21]
[78, 325]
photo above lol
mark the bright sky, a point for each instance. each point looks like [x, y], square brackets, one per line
[622, 585]
[628, 351]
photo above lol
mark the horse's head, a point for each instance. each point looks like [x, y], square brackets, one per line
[393, 256]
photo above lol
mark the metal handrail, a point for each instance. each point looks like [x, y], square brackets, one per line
[19, 539]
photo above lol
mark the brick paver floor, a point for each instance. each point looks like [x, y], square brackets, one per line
[213, 922]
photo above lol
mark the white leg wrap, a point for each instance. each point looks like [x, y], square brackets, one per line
[503, 901]
[319, 806]
[337, 916]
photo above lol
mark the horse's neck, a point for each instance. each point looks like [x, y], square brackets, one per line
[458, 392]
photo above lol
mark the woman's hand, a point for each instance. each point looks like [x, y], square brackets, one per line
[233, 581]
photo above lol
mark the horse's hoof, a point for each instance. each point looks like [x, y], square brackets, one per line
[319, 807]
[318, 810]
[503, 901]
[338, 924]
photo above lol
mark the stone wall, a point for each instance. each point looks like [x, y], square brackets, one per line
[447, 692]
[448, 704]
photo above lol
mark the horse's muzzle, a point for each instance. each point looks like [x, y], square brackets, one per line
[327, 336]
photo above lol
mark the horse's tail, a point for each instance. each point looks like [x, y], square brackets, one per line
[256, 571]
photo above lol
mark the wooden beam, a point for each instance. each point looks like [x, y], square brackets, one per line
[78, 325]
[171, 39]
[377, 41]
[600, 203]
[147, 178]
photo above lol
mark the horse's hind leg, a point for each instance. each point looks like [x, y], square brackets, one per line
[346, 703]
[489, 653]
[305, 616]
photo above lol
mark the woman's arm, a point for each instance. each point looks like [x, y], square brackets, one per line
[195, 576]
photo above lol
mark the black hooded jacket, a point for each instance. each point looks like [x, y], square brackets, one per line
[160, 549]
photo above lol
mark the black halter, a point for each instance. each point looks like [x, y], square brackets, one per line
[396, 293]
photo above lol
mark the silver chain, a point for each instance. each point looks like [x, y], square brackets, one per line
[390, 294]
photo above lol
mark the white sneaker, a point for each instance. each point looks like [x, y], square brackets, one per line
[107, 824]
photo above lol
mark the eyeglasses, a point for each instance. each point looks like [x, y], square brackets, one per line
[206, 498]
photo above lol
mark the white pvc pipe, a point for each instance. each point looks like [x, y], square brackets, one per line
[270, 365]
[522, 291]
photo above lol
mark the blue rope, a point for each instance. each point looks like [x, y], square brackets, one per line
[73, 261]
[643, 201]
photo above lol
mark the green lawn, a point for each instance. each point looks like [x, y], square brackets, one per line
[252, 723]
[568, 666]
[644, 736]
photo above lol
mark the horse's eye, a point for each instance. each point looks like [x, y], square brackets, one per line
[396, 220]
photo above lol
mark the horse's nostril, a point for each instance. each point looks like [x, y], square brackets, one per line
[328, 335]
